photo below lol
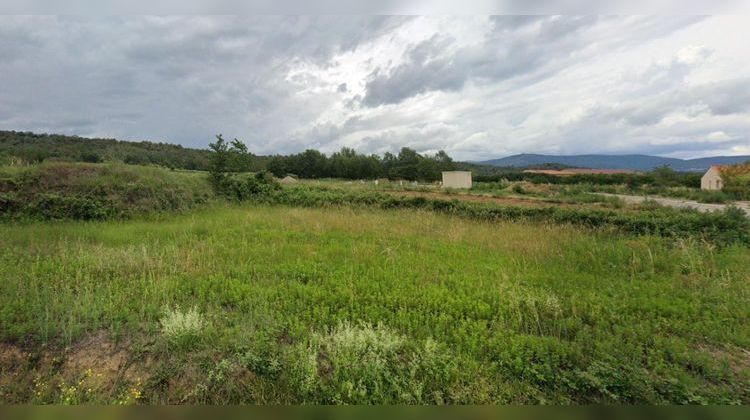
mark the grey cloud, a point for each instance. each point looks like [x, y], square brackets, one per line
[505, 22]
[512, 50]
[407, 80]
[719, 98]
[725, 97]
[184, 79]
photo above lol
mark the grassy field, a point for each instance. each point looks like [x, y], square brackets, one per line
[273, 304]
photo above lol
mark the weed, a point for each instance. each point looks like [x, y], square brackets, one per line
[362, 363]
[183, 328]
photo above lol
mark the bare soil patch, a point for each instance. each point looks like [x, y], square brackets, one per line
[737, 357]
[12, 362]
[105, 358]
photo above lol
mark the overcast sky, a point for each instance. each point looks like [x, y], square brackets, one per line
[478, 87]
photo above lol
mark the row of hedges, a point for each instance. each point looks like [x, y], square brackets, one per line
[660, 177]
[731, 226]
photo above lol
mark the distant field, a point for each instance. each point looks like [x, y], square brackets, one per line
[272, 304]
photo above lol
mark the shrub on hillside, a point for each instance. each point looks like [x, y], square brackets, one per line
[245, 187]
[228, 184]
[63, 190]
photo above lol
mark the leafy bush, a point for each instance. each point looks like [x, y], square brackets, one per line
[230, 185]
[62, 190]
[737, 181]
[245, 187]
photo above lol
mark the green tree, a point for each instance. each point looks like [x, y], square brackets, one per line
[406, 164]
[665, 176]
[219, 163]
[312, 164]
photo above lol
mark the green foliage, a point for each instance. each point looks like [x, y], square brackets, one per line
[236, 187]
[337, 304]
[247, 187]
[219, 165]
[737, 181]
[33, 148]
[718, 227]
[231, 157]
[348, 164]
[661, 177]
[96, 191]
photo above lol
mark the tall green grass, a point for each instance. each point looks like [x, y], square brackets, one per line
[731, 226]
[358, 305]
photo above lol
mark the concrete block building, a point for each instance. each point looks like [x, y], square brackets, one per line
[457, 179]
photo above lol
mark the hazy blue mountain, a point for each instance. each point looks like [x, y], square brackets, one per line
[635, 162]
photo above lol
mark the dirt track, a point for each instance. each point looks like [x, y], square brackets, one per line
[530, 202]
[680, 203]
[475, 198]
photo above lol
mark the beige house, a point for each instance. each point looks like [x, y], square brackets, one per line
[457, 179]
[712, 179]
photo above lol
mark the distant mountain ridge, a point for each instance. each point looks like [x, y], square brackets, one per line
[634, 162]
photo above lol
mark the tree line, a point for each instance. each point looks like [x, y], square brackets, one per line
[233, 156]
[348, 164]
[29, 148]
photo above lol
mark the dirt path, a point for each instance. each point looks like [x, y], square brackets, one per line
[475, 198]
[681, 203]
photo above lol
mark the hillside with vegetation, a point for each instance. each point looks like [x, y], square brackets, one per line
[634, 162]
[88, 191]
[26, 147]
[29, 148]
[18, 147]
